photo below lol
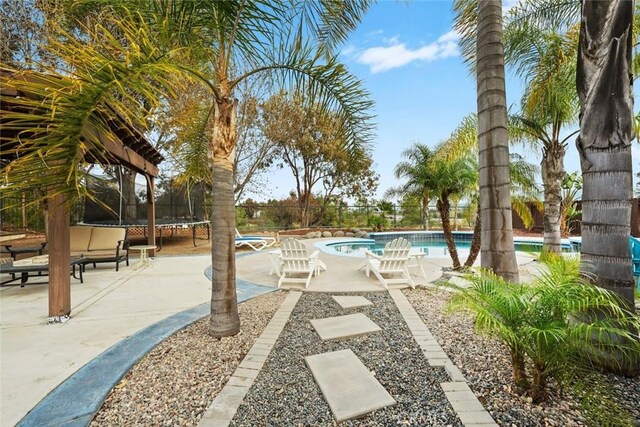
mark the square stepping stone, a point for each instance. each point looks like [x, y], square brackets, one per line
[342, 327]
[351, 302]
[347, 385]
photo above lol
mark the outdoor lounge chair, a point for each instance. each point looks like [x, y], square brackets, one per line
[297, 262]
[256, 243]
[634, 246]
[392, 262]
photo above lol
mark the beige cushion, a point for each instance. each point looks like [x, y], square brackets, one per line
[102, 254]
[106, 238]
[80, 238]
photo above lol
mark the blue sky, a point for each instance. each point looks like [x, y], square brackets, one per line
[406, 55]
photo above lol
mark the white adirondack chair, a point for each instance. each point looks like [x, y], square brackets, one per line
[297, 262]
[393, 262]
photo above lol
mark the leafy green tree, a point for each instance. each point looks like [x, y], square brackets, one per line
[186, 126]
[410, 211]
[25, 27]
[310, 143]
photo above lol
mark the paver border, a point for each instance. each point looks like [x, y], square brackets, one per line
[226, 404]
[464, 402]
[76, 400]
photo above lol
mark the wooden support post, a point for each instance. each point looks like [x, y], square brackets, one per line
[151, 214]
[59, 258]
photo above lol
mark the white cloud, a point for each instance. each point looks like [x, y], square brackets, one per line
[348, 50]
[385, 58]
[451, 36]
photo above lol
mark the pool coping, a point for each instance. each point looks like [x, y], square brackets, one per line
[76, 400]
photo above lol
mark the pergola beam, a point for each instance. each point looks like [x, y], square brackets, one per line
[125, 155]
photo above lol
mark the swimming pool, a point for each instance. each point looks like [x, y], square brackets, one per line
[431, 243]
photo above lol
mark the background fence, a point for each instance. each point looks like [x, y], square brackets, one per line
[17, 214]
[268, 217]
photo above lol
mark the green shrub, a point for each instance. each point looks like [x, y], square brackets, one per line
[557, 326]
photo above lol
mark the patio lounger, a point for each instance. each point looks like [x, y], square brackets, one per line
[268, 241]
[254, 243]
[634, 247]
[297, 262]
[393, 262]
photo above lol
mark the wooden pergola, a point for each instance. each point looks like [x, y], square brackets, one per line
[123, 145]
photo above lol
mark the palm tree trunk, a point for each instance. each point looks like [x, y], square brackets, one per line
[455, 215]
[519, 371]
[425, 213]
[539, 376]
[604, 81]
[224, 320]
[552, 174]
[475, 241]
[497, 250]
[444, 208]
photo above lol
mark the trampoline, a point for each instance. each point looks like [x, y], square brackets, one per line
[171, 225]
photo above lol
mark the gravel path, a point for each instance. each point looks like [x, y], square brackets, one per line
[487, 366]
[285, 393]
[175, 383]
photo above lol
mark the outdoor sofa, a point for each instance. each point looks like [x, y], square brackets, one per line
[100, 244]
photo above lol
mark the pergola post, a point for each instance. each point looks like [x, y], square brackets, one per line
[151, 214]
[59, 259]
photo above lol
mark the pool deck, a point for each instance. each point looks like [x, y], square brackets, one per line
[111, 306]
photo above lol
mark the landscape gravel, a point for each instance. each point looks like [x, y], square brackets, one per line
[285, 393]
[487, 367]
[177, 381]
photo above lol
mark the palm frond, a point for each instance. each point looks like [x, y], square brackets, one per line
[112, 80]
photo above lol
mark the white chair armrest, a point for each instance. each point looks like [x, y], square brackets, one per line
[370, 254]
[314, 254]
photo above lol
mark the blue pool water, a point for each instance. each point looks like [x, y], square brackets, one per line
[430, 243]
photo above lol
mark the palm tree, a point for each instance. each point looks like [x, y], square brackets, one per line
[556, 15]
[524, 189]
[497, 251]
[604, 81]
[210, 40]
[419, 175]
[451, 178]
[546, 60]
[537, 321]
[260, 38]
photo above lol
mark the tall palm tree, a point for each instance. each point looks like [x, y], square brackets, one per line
[258, 37]
[546, 61]
[497, 250]
[604, 81]
[419, 175]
